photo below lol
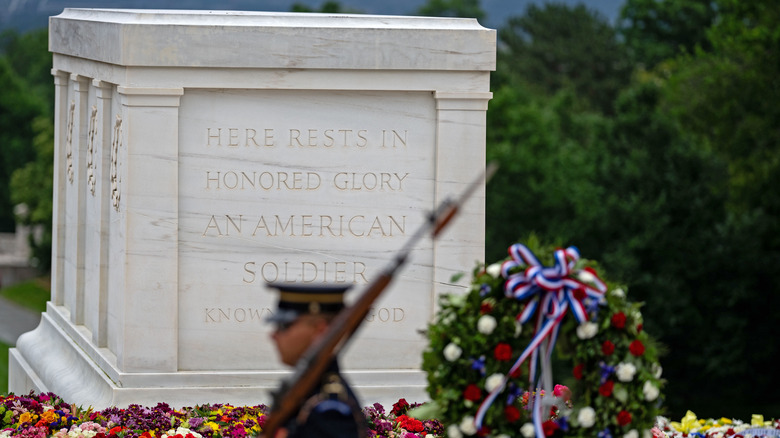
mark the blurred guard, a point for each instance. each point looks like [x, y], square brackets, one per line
[302, 316]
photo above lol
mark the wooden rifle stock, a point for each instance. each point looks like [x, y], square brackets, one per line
[294, 390]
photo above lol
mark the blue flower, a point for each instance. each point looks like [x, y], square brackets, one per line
[479, 365]
[563, 423]
[606, 371]
[484, 289]
[514, 392]
[605, 433]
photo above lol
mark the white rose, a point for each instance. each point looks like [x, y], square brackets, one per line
[518, 328]
[467, 425]
[494, 381]
[647, 433]
[528, 430]
[454, 432]
[586, 417]
[625, 372]
[657, 370]
[452, 352]
[651, 391]
[587, 330]
[631, 434]
[586, 277]
[486, 324]
[503, 435]
[619, 293]
[494, 270]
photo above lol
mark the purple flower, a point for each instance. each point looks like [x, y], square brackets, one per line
[605, 433]
[484, 289]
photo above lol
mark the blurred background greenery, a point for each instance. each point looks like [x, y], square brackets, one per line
[651, 143]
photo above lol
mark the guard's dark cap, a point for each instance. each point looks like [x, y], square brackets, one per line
[296, 300]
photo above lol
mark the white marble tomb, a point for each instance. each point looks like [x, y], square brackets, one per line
[199, 154]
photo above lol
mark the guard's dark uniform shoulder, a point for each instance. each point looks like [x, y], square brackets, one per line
[332, 411]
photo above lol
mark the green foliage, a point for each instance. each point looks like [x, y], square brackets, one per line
[31, 294]
[725, 98]
[4, 368]
[329, 7]
[546, 152]
[28, 54]
[18, 109]
[657, 30]
[452, 8]
[32, 185]
[556, 46]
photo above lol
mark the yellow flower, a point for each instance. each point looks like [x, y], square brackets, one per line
[49, 416]
[689, 423]
[214, 426]
[27, 417]
[725, 420]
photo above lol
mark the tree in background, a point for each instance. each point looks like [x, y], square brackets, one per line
[18, 109]
[556, 46]
[452, 8]
[32, 185]
[657, 30]
[727, 96]
[328, 7]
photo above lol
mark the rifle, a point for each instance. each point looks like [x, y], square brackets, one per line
[294, 390]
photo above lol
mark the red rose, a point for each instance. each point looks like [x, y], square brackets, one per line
[472, 392]
[606, 388]
[639, 328]
[549, 427]
[637, 348]
[619, 320]
[483, 431]
[485, 307]
[517, 373]
[410, 424]
[400, 407]
[511, 414]
[623, 418]
[608, 348]
[577, 371]
[579, 294]
[502, 352]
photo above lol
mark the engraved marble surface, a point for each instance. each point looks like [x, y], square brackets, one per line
[231, 149]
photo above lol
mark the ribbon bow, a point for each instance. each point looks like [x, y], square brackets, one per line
[548, 292]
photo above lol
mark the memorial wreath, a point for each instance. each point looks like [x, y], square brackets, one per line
[489, 347]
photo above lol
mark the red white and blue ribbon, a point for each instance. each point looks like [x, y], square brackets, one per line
[548, 292]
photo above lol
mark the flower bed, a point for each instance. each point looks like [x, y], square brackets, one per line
[46, 415]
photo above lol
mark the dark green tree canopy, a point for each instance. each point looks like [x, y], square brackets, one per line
[556, 46]
[452, 8]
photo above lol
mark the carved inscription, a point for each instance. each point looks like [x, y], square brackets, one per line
[270, 177]
[339, 272]
[305, 138]
[306, 225]
[255, 315]
[275, 180]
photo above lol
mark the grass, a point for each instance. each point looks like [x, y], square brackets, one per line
[32, 294]
[4, 368]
